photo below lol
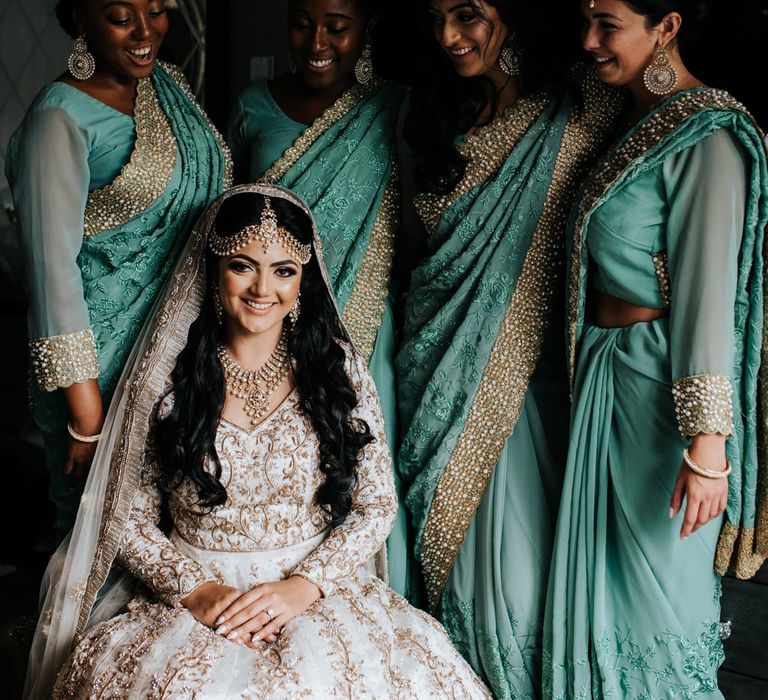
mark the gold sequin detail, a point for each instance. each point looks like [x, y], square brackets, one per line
[179, 78]
[645, 137]
[347, 102]
[662, 277]
[146, 175]
[365, 306]
[486, 151]
[703, 404]
[738, 550]
[501, 393]
[63, 360]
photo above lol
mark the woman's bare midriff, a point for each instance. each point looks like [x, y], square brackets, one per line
[606, 311]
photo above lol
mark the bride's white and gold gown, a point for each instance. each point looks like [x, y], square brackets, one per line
[360, 640]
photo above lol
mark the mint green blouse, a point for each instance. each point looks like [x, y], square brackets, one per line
[68, 145]
[671, 238]
[259, 132]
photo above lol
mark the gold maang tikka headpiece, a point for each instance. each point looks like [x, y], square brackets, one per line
[268, 231]
[591, 4]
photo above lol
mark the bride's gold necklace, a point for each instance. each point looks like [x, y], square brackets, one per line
[256, 385]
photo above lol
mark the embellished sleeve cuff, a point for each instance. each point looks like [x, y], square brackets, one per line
[63, 360]
[704, 404]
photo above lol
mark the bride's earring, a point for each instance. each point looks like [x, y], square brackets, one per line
[293, 314]
[81, 63]
[217, 307]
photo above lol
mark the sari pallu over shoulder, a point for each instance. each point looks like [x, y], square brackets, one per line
[136, 226]
[342, 167]
[479, 305]
[678, 123]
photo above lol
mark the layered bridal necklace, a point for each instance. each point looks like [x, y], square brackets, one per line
[256, 385]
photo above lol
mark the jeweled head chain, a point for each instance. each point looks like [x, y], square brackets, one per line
[266, 232]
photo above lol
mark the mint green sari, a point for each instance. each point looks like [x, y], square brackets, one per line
[479, 404]
[105, 203]
[673, 218]
[342, 167]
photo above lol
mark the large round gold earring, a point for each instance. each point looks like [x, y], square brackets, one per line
[509, 58]
[660, 77]
[81, 63]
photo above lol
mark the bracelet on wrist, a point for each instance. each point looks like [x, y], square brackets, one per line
[703, 471]
[89, 439]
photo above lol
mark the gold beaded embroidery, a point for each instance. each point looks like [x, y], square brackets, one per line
[366, 304]
[63, 360]
[146, 175]
[703, 404]
[179, 78]
[486, 151]
[662, 277]
[501, 393]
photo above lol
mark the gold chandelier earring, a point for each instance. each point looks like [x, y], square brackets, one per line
[81, 63]
[660, 76]
[364, 66]
[295, 312]
[218, 309]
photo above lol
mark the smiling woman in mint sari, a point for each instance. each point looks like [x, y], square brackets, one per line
[494, 150]
[326, 131]
[108, 173]
[667, 340]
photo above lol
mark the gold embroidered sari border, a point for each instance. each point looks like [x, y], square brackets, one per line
[128, 458]
[501, 394]
[367, 302]
[486, 151]
[144, 177]
[345, 104]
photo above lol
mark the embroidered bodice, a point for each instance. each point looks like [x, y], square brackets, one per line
[271, 476]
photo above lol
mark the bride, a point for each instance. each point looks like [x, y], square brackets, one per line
[249, 425]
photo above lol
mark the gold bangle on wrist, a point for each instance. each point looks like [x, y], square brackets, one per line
[82, 438]
[703, 471]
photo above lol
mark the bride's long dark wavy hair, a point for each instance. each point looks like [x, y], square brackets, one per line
[184, 438]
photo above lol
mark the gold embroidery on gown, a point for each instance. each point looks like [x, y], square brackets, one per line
[360, 640]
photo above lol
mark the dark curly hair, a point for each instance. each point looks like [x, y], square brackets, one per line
[693, 12]
[184, 439]
[445, 105]
[65, 10]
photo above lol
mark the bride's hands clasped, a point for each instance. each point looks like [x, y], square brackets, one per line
[260, 614]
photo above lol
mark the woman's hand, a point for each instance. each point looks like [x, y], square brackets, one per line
[207, 601]
[247, 617]
[86, 418]
[706, 498]
[79, 458]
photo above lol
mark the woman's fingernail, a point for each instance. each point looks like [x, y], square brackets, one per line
[685, 538]
[232, 636]
[221, 629]
[220, 620]
[671, 513]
